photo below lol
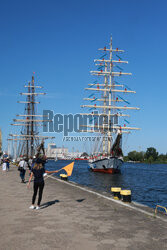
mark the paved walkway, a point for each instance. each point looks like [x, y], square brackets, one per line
[73, 219]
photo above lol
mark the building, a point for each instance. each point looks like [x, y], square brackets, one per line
[55, 152]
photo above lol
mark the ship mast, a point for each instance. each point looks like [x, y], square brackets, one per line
[111, 96]
[111, 101]
[29, 138]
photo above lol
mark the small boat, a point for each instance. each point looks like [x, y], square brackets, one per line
[108, 121]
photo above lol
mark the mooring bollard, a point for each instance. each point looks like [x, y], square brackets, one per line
[116, 192]
[126, 195]
[64, 177]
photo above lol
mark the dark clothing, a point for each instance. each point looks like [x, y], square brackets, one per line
[7, 165]
[37, 185]
[39, 160]
[22, 174]
[38, 174]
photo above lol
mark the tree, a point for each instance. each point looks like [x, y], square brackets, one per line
[136, 156]
[151, 152]
[150, 159]
[162, 158]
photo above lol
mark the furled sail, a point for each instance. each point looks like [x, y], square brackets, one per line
[116, 150]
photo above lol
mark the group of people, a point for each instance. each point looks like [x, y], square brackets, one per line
[37, 170]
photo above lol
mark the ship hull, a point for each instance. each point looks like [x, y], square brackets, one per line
[108, 165]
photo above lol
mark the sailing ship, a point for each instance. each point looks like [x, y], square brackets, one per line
[27, 142]
[108, 156]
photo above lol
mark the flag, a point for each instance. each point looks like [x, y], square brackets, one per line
[69, 168]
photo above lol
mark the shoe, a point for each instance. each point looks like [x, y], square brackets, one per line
[31, 207]
[37, 207]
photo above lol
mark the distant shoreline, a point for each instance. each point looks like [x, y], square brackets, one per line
[146, 162]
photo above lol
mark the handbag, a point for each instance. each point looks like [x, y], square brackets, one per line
[20, 168]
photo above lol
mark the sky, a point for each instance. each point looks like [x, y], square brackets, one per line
[58, 40]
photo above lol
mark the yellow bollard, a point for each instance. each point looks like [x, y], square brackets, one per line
[116, 192]
[64, 177]
[126, 195]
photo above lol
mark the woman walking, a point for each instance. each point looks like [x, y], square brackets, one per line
[38, 172]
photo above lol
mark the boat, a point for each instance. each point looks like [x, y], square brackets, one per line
[107, 104]
[27, 141]
[81, 159]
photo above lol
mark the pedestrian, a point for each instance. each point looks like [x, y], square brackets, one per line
[38, 171]
[4, 165]
[30, 162]
[7, 164]
[22, 168]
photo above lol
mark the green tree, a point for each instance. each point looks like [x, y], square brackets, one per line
[162, 158]
[150, 159]
[132, 156]
[136, 156]
[151, 152]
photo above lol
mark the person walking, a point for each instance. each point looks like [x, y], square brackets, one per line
[30, 162]
[7, 164]
[23, 166]
[38, 171]
[4, 165]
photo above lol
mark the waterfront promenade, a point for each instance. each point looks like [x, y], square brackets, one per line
[72, 218]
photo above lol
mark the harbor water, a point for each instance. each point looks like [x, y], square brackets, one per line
[148, 182]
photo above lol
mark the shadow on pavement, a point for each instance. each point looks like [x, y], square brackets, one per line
[49, 203]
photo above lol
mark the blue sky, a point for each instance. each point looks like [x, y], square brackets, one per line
[58, 40]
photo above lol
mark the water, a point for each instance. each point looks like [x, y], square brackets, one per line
[148, 183]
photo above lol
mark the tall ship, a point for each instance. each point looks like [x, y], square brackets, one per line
[107, 107]
[28, 137]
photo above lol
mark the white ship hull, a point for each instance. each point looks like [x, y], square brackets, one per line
[107, 165]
